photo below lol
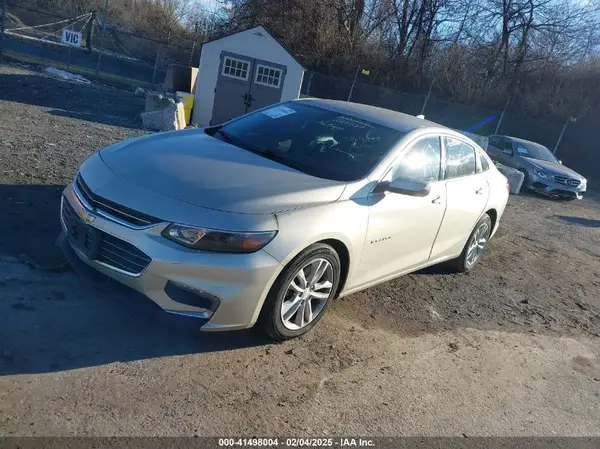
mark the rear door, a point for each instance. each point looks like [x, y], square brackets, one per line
[467, 193]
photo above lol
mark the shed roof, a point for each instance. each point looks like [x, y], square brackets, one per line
[259, 29]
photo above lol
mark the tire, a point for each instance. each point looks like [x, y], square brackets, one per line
[285, 296]
[464, 263]
[525, 184]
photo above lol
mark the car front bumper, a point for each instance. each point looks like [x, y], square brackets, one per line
[550, 187]
[226, 291]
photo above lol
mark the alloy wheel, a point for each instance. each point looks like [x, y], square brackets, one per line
[307, 294]
[477, 243]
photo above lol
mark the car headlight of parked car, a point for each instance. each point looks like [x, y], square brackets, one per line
[541, 174]
[218, 241]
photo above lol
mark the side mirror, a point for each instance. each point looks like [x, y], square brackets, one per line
[403, 187]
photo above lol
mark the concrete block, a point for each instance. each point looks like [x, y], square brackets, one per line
[514, 176]
[163, 119]
[156, 100]
[181, 121]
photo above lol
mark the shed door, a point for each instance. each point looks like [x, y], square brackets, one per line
[267, 84]
[233, 87]
[244, 85]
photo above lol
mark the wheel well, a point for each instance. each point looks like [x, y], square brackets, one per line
[344, 255]
[494, 216]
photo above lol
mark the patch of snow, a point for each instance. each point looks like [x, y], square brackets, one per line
[67, 75]
[115, 54]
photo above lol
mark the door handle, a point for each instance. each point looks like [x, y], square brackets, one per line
[479, 191]
[437, 200]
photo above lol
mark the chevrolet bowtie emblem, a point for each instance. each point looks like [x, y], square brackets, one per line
[87, 218]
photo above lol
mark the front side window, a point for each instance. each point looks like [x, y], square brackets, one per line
[317, 141]
[421, 162]
[460, 158]
[507, 147]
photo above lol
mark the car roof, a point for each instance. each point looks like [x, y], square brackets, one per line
[385, 117]
[517, 139]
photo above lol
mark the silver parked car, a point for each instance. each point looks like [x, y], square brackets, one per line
[543, 172]
[269, 217]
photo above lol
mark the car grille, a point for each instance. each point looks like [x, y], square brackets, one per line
[565, 180]
[113, 252]
[122, 255]
[116, 210]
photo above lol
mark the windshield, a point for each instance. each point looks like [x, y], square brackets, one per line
[535, 151]
[316, 141]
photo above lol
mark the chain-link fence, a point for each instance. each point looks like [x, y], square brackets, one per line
[570, 139]
[469, 118]
[99, 48]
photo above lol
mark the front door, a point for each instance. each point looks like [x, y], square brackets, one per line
[467, 195]
[402, 228]
[244, 85]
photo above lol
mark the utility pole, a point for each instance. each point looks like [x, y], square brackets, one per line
[104, 22]
[2, 28]
[90, 32]
[353, 83]
[193, 44]
[562, 132]
[502, 114]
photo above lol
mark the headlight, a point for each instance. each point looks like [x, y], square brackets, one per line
[542, 174]
[219, 241]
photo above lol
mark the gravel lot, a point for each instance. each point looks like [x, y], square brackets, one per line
[512, 348]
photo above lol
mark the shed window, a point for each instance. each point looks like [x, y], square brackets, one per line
[268, 76]
[235, 68]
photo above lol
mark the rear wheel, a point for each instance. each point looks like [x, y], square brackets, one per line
[302, 293]
[473, 250]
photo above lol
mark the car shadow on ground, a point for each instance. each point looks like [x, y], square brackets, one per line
[53, 320]
[580, 221]
[30, 222]
[69, 99]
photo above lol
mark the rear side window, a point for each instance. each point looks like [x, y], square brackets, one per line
[460, 158]
[485, 165]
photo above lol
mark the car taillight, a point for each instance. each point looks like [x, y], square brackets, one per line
[508, 186]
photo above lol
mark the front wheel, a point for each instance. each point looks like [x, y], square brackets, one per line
[473, 250]
[302, 293]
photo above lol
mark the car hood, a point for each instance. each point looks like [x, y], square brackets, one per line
[196, 168]
[553, 167]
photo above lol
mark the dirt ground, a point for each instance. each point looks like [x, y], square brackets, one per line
[512, 348]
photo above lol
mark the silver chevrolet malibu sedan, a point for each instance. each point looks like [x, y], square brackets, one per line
[268, 218]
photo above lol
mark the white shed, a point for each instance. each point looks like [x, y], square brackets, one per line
[243, 72]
